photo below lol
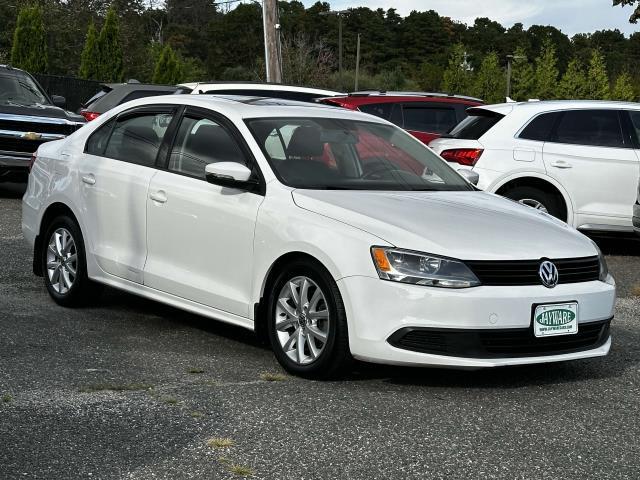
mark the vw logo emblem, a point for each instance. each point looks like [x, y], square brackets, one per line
[548, 274]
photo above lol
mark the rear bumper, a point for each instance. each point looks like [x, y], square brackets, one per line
[14, 167]
[636, 218]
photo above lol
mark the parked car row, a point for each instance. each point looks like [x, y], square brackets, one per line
[332, 233]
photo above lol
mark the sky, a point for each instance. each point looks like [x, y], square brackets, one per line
[570, 16]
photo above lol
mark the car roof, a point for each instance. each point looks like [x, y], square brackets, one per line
[375, 96]
[536, 106]
[219, 85]
[244, 107]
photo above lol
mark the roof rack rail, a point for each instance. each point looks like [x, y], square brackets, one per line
[365, 93]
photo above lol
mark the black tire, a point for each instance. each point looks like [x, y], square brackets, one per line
[335, 358]
[551, 202]
[82, 290]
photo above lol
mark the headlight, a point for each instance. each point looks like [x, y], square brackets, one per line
[604, 268]
[422, 269]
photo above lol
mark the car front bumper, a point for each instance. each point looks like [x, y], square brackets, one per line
[636, 218]
[377, 310]
[14, 167]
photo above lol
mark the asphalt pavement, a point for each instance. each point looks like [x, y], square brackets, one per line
[132, 389]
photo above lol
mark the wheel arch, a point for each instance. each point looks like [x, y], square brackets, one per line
[52, 211]
[541, 182]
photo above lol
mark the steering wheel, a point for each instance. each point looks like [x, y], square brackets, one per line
[381, 168]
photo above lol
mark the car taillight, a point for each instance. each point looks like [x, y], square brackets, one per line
[463, 156]
[89, 115]
[32, 161]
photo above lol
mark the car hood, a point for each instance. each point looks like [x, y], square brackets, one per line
[464, 225]
[39, 110]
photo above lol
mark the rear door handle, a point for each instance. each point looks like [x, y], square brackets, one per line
[160, 196]
[561, 164]
[89, 179]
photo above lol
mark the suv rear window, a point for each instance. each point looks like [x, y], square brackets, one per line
[428, 118]
[475, 125]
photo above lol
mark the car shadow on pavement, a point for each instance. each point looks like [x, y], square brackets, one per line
[619, 245]
[12, 190]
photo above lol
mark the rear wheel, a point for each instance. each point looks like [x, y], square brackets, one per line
[64, 264]
[307, 323]
[539, 200]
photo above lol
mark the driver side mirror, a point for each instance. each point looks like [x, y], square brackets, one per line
[59, 101]
[469, 175]
[230, 174]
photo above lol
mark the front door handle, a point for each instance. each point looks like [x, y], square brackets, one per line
[160, 196]
[561, 164]
[89, 179]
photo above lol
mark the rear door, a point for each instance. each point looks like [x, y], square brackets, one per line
[589, 153]
[115, 170]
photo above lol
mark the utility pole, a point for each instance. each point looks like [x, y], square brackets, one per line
[271, 41]
[509, 59]
[339, 13]
[357, 63]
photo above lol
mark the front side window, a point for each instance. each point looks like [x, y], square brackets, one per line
[199, 142]
[590, 127]
[136, 138]
[327, 153]
[428, 118]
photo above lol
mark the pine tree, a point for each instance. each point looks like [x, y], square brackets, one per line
[546, 72]
[89, 58]
[29, 50]
[573, 84]
[489, 83]
[168, 69]
[597, 78]
[623, 89]
[109, 49]
[523, 77]
[456, 78]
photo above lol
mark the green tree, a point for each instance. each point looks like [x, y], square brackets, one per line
[636, 13]
[168, 69]
[29, 50]
[457, 76]
[597, 78]
[573, 84]
[523, 77]
[623, 89]
[489, 82]
[546, 72]
[89, 58]
[109, 49]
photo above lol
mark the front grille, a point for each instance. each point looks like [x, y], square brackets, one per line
[19, 126]
[498, 343]
[525, 272]
[19, 145]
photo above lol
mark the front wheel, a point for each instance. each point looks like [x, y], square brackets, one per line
[64, 264]
[539, 200]
[307, 322]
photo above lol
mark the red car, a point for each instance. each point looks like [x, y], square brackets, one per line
[425, 115]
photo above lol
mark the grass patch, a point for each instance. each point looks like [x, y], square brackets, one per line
[635, 290]
[241, 470]
[196, 414]
[6, 398]
[220, 442]
[195, 371]
[273, 377]
[112, 387]
[170, 400]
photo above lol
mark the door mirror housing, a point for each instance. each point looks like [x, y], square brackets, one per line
[469, 175]
[230, 174]
[59, 101]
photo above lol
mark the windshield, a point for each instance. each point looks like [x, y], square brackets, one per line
[19, 89]
[327, 153]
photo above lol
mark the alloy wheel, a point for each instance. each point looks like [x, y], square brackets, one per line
[62, 261]
[302, 320]
[530, 202]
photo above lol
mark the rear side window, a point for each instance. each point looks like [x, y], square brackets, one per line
[475, 125]
[136, 139]
[540, 127]
[98, 139]
[428, 118]
[590, 127]
[382, 110]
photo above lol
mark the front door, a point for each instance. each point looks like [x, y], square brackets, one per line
[200, 235]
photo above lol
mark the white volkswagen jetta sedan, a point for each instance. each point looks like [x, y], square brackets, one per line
[333, 234]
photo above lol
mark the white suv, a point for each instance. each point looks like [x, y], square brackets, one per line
[260, 89]
[577, 160]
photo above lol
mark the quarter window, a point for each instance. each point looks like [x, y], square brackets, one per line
[590, 127]
[199, 142]
[136, 139]
[98, 139]
[540, 127]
